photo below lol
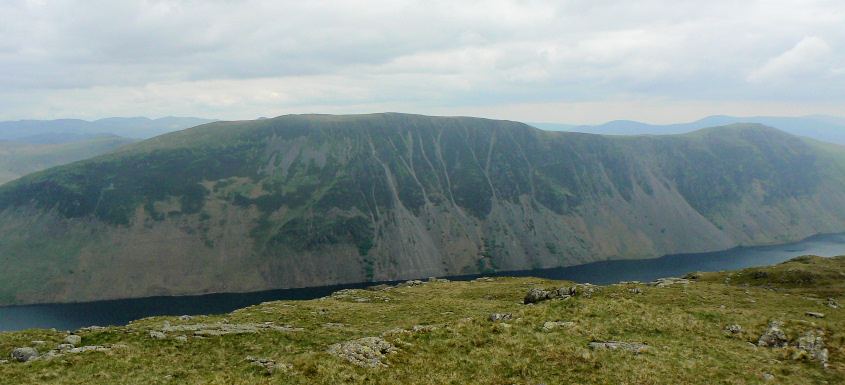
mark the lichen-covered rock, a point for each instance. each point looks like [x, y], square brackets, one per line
[633, 347]
[774, 336]
[157, 335]
[536, 295]
[814, 314]
[25, 354]
[811, 345]
[734, 328]
[367, 351]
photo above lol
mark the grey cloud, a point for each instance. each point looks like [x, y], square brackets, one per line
[424, 52]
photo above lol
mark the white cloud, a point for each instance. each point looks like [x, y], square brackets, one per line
[807, 57]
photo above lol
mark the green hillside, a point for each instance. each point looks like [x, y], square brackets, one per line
[777, 324]
[307, 200]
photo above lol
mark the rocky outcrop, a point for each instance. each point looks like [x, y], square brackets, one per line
[811, 345]
[368, 351]
[774, 336]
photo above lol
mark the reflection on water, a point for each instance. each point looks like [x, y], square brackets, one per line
[120, 312]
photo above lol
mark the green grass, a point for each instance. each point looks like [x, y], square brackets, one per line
[681, 324]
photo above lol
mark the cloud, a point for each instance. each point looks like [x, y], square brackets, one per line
[809, 56]
[231, 59]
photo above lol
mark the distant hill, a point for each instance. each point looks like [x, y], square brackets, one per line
[138, 128]
[820, 127]
[306, 200]
[20, 158]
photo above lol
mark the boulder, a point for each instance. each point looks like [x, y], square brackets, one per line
[811, 345]
[73, 339]
[773, 337]
[814, 314]
[157, 335]
[536, 295]
[734, 328]
[25, 354]
[367, 351]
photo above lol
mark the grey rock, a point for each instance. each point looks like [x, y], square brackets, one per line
[182, 338]
[552, 325]
[663, 282]
[73, 339]
[636, 290]
[773, 337]
[157, 335]
[498, 317]
[633, 347]
[367, 351]
[814, 314]
[811, 345]
[536, 295]
[25, 354]
[734, 328]
[185, 318]
[64, 348]
[832, 303]
[768, 377]
[4, 361]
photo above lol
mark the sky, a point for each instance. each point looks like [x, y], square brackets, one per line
[575, 62]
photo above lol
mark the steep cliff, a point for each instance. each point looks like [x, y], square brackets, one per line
[316, 199]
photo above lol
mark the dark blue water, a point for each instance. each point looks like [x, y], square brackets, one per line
[120, 312]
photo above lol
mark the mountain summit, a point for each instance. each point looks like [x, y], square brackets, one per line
[304, 200]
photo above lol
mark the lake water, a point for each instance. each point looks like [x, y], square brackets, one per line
[120, 312]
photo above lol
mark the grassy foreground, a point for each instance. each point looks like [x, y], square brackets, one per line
[440, 333]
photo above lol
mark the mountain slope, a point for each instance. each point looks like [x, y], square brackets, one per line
[316, 199]
[18, 159]
[138, 128]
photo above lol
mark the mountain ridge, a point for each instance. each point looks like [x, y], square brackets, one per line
[302, 200]
[825, 128]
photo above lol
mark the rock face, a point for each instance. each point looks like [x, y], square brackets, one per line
[368, 351]
[25, 354]
[774, 336]
[307, 200]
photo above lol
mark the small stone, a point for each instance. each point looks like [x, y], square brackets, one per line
[73, 339]
[38, 342]
[768, 377]
[4, 361]
[24, 354]
[636, 290]
[185, 318]
[733, 328]
[832, 303]
[814, 314]
[64, 348]
[181, 338]
[157, 335]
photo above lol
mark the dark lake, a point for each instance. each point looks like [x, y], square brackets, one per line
[120, 312]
